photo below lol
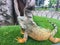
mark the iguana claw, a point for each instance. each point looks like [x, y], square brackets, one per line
[21, 40]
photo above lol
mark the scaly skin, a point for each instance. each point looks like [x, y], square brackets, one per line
[38, 33]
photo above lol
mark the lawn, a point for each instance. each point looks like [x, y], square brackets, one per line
[8, 34]
[47, 9]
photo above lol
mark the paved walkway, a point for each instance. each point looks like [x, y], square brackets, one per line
[56, 44]
[49, 14]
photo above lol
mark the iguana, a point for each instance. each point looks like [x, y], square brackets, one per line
[38, 33]
[32, 30]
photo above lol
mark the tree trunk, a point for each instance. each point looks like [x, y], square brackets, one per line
[6, 14]
[57, 5]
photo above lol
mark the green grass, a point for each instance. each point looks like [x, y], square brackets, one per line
[53, 1]
[44, 9]
[8, 34]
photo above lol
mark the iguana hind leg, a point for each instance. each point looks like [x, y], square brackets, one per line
[54, 40]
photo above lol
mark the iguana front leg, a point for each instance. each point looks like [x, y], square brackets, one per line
[22, 31]
[24, 39]
[54, 40]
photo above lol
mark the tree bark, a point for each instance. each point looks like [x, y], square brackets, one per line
[6, 14]
[57, 5]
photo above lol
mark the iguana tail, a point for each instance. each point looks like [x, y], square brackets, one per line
[54, 30]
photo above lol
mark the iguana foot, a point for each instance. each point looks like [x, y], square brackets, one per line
[21, 40]
[54, 40]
